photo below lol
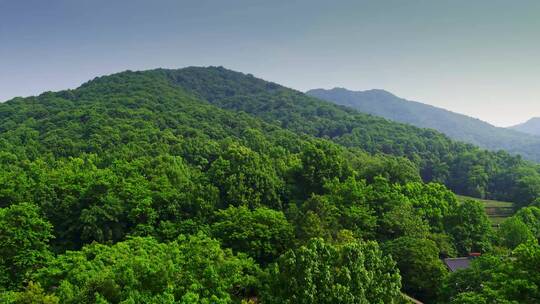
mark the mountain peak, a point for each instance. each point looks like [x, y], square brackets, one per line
[531, 126]
[379, 92]
[457, 126]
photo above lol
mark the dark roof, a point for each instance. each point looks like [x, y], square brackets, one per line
[457, 263]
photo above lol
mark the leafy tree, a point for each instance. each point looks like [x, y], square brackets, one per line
[321, 163]
[470, 228]
[395, 169]
[419, 265]
[246, 179]
[445, 244]
[131, 161]
[33, 294]
[351, 209]
[432, 201]
[531, 217]
[24, 237]
[401, 221]
[317, 218]
[513, 232]
[262, 233]
[141, 270]
[469, 298]
[323, 273]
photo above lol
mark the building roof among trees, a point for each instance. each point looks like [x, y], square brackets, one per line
[455, 264]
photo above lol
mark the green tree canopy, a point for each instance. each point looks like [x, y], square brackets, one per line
[192, 269]
[419, 265]
[470, 228]
[263, 234]
[24, 247]
[323, 273]
[513, 232]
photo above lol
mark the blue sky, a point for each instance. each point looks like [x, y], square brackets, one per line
[479, 58]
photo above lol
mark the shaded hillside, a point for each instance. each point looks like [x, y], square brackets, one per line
[457, 126]
[531, 126]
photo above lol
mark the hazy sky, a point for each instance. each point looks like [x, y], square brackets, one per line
[480, 58]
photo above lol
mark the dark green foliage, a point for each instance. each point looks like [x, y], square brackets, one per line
[418, 261]
[402, 220]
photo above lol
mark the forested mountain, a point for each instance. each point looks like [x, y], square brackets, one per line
[205, 185]
[531, 126]
[456, 126]
[465, 168]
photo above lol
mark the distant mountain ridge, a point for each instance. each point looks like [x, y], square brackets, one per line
[531, 126]
[457, 126]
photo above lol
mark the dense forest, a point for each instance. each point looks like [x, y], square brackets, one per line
[464, 168]
[204, 185]
[456, 126]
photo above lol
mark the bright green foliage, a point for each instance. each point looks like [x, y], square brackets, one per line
[433, 201]
[141, 270]
[470, 228]
[382, 196]
[466, 169]
[246, 179]
[402, 220]
[263, 234]
[470, 298]
[418, 261]
[493, 279]
[342, 207]
[24, 237]
[129, 162]
[470, 281]
[513, 232]
[352, 211]
[320, 164]
[33, 294]
[87, 203]
[323, 273]
[531, 217]
[395, 169]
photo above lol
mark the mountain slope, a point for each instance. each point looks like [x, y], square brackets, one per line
[68, 124]
[464, 168]
[182, 185]
[456, 126]
[531, 126]
[159, 196]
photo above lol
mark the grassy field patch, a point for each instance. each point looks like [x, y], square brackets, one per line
[497, 211]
